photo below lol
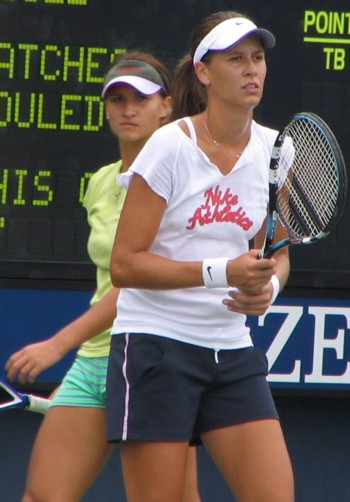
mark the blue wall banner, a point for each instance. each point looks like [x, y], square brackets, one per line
[306, 341]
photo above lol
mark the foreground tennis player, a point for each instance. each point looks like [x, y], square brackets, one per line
[182, 365]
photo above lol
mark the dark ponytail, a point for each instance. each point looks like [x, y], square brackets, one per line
[189, 95]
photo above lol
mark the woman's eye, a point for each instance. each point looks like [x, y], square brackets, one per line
[116, 99]
[141, 97]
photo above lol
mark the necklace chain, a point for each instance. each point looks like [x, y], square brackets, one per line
[217, 144]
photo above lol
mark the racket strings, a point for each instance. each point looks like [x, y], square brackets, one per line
[308, 180]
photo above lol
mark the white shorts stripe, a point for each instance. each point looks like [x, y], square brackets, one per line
[127, 389]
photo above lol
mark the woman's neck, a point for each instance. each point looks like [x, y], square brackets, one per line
[230, 133]
[227, 126]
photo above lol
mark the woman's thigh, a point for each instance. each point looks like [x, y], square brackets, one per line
[254, 460]
[154, 471]
[69, 452]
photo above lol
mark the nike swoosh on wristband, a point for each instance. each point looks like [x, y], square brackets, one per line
[208, 270]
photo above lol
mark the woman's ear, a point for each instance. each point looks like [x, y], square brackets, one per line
[165, 109]
[202, 73]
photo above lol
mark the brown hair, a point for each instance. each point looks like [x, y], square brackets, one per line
[189, 95]
[163, 71]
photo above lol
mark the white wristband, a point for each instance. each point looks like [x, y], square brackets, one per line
[214, 272]
[275, 288]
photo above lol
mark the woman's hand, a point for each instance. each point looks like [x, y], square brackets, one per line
[26, 364]
[249, 303]
[248, 274]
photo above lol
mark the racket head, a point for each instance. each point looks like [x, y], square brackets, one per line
[10, 397]
[308, 180]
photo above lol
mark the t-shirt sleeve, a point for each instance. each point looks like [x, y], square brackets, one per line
[155, 164]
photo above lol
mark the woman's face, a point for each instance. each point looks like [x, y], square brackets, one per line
[134, 116]
[236, 75]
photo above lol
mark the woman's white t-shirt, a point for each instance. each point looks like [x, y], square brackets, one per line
[208, 215]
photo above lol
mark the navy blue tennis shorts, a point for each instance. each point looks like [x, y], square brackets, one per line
[159, 389]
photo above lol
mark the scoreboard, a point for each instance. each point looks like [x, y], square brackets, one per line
[53, 134]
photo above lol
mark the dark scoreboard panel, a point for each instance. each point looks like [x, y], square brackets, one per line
[52, 129]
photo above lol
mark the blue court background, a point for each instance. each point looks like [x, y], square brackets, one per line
[317, 429]
[32, 315]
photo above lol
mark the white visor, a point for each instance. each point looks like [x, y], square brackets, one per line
[230, 32]
[141, 84]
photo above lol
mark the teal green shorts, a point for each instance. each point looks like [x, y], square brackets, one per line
[84, 384]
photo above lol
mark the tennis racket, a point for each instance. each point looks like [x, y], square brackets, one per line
[307, 183]
[11, 398]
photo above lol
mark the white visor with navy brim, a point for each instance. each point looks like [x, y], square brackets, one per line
[229, 33]
[141, 84]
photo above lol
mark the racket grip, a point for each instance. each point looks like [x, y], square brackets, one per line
[38, 404]
[265, 254]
